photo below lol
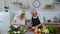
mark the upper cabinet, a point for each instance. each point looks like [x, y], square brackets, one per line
[16, 1]
[23, 3]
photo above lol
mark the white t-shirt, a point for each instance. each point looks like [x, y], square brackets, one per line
[18, 21]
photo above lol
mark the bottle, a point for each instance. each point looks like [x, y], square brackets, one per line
[36, 31]
[39, 31]
[44, 19]
[18, 29]
[55, 19]
[59, 20]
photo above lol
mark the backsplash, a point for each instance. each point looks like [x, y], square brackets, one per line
[48, 15]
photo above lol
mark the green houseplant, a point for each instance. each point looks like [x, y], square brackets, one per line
[52, 29]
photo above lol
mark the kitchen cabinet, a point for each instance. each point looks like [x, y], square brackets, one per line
[4, 26]
[16, 1]
[4, 22]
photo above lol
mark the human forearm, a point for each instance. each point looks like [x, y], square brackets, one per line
[13, 22]
[38, 25]
[30, 23]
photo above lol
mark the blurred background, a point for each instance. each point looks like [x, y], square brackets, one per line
[9, 8]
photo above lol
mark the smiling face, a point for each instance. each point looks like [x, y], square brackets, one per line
[21, 14]
[34, 13]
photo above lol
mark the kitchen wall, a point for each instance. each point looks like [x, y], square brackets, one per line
[4, 22]
[14, 8]
[1, 5]
[48, 13]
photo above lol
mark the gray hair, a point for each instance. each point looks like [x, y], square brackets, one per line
[33, 11]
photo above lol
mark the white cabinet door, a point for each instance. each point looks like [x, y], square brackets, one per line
[4, 22]
[4, 26]
[16, 1]
[4, 16]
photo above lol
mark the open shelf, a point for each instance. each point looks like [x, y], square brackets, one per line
[57, 1]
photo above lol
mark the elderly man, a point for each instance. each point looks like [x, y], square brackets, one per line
[36, 20]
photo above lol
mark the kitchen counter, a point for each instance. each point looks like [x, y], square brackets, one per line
[52, 24]
[29, 33]
[56, 25]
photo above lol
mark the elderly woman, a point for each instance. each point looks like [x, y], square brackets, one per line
[36, 20]
[19, 19]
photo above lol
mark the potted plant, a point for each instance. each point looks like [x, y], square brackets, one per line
[52, 29]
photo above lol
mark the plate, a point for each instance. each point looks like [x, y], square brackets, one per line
[36, 3]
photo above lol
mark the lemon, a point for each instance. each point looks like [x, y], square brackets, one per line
[24, 30]
[18, 31]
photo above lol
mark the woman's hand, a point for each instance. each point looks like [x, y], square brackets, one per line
[13, 22]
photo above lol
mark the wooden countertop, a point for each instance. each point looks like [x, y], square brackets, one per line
[52, 24]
